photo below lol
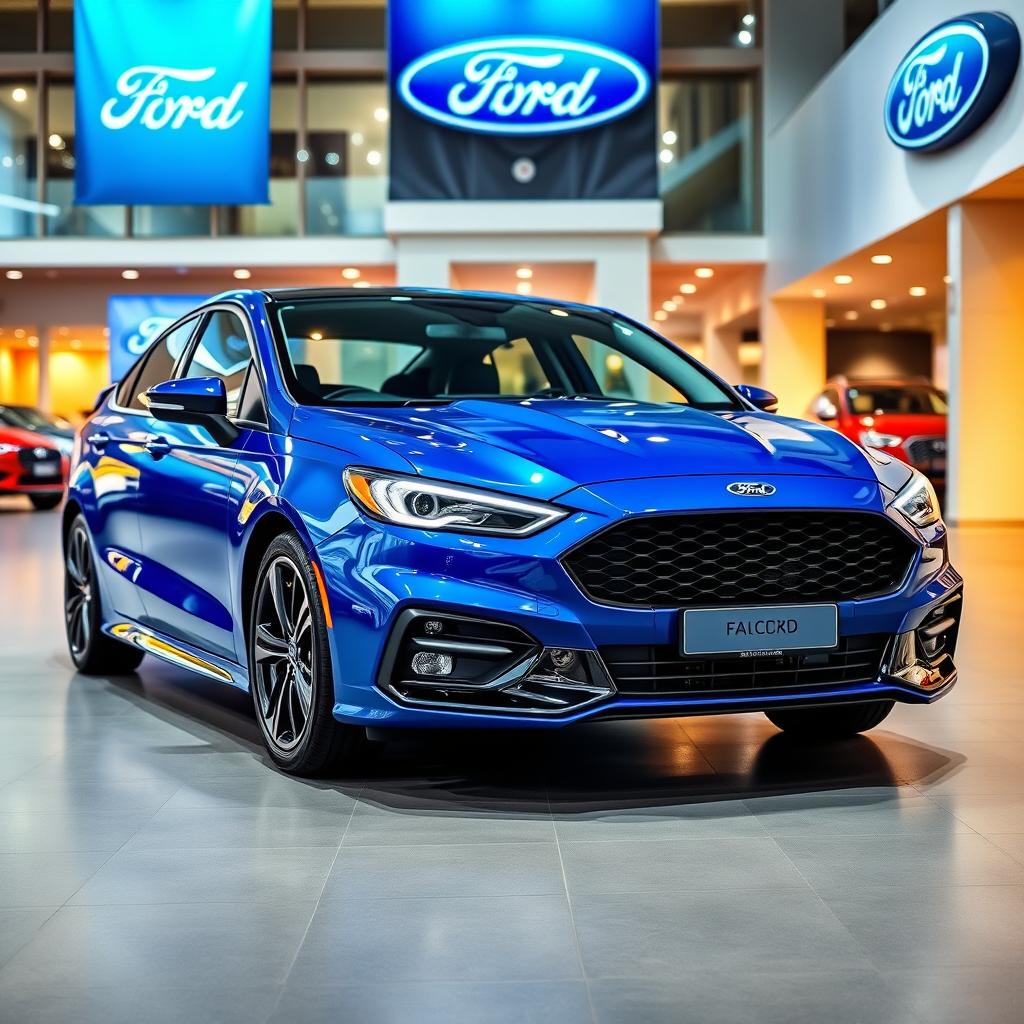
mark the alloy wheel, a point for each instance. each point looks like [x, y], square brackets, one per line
[78, 591]
[283, 670]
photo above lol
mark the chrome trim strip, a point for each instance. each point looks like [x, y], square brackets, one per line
[167, 652]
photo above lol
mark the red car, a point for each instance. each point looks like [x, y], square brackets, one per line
[31, 464]
[906, 418]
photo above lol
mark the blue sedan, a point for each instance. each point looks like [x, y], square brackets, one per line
[395, 508]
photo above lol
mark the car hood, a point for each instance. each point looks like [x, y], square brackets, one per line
[544, 448]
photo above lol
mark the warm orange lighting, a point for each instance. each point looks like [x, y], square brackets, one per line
[918, 290]
[524, 273]
[350, 274]
[704, 272]
[843, 279]
[688, 289]
[881, 259]
[878, 303]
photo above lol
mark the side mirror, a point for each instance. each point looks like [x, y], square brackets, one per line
[761, 397]
[200, 401]
[825, 410]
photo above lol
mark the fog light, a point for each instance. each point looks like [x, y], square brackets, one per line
[430, 663]
[432, 627]
[562, 659]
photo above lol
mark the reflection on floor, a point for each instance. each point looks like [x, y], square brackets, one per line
[154, 867]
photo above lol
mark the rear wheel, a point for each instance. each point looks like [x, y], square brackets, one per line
[45, 502]
[833, 722]
[93, 652]
[290, 666]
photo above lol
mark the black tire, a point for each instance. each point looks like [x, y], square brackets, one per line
[832, 722]
[93, 652]
[290, 675]
[45, 502]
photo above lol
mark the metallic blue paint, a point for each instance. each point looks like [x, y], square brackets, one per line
[173, 514]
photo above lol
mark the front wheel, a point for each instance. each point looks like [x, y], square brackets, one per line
[832, 722]
[45, 502]
[290, 666]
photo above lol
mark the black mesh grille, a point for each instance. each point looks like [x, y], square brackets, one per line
[923, 450]
[753, 558]
[639, 670]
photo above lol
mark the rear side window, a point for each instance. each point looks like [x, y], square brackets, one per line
[156, 366]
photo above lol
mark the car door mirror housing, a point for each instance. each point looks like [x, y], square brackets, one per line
[200, 401]
[761, 397]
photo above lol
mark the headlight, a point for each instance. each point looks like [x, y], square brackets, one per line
[917, 502]
[9, 449]
[873, 439]
[429, 505]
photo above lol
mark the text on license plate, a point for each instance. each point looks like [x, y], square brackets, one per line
[45, 469]
[760, 629]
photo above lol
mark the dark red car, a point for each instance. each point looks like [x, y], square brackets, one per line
[906, 418]
[31, 464]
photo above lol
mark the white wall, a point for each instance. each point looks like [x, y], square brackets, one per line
[835, 182]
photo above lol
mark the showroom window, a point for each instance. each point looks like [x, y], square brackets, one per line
[18, 117]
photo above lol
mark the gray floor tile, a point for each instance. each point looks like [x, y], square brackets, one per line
[483, 869]
[270, 789]
[509, 938]
[712, 819]
[678, 865]
[963, 995]
[31, 794]
[45, 879]
[17, 926]
[521, 1002]
[856, 863]
[67, 831]
[987, 814]
[214, 875]
[1013, 844]
[655, 935]
[974, 925]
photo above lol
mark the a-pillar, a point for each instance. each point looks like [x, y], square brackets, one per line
[793, 351]
[986, 360]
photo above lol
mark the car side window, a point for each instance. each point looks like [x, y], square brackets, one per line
[156, 366]
[222, 351]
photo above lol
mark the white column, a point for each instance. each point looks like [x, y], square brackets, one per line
[422, 262]
[722, 351]
[43, 354]
[622, 276]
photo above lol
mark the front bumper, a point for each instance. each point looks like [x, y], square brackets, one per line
[378, 578]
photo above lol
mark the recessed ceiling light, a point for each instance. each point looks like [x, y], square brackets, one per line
[947, 279]
[679, 300]
[130, 275]
[748, 19]
[660, 314]
[33, 342]
[524, 287]
[19, 332]
[350, 274]
[688, 289]
[818, 293]
[373, 158]
[851, 314]
[843, 279]
[669, 306]
[315, 336]
[356, 138]
[744, 37]
[19, 95]
[878, 303]
[524, 273]
[704, 272]
[380, 114]
[666, 156]
[242, 274]
[882, 259]
[669, 137]
[56, 142]
[361, 284]
[14, 275]
[918, 290]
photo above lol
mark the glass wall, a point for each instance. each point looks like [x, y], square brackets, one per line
[18, 190]
[706, 152]
[686, 24]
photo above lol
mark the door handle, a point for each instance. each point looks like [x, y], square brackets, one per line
[157, 447]
[99, 440]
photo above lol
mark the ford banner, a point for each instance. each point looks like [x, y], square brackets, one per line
[135, 321]
[503, 100]
[172, 101]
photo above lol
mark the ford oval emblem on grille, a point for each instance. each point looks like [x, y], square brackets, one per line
[750, 489]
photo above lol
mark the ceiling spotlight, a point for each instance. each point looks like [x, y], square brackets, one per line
[350, 274]
[524, 273]
[882, 259]
[744, 37]
[14, 275]
[19, 332]
[380, 114]
[666, 156]
[669, 306]
[818, 293]
[373, 158]
[947, 279]
[56, 142]
[524, 287]
[660, 315]
[748, 19]
[361, 284]
[704, 272]
[315, 336]
[878, 303]
[33, 342]
[19, 95]
[918, 290]
[669, 137]
[242, 274]
[130, 275]
[843, 279]
[850, 314]
[356, 138]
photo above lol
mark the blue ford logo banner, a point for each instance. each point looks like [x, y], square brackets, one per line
[135, 321]
[499, 99]
[951, 81]
[522, 85]
[172, 101]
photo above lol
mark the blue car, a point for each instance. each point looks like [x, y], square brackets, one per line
[405, 508]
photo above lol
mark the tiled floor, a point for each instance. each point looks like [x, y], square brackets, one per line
[154, 867]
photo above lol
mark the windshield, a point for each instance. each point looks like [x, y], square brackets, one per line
[914, 400]
[403, 350]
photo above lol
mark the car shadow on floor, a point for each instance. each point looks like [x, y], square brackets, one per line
[580, 770]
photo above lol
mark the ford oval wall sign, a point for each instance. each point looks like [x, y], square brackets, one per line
[533, 85]
[951, 81]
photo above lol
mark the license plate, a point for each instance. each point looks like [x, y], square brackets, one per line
[760, 630]
[46, 469]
